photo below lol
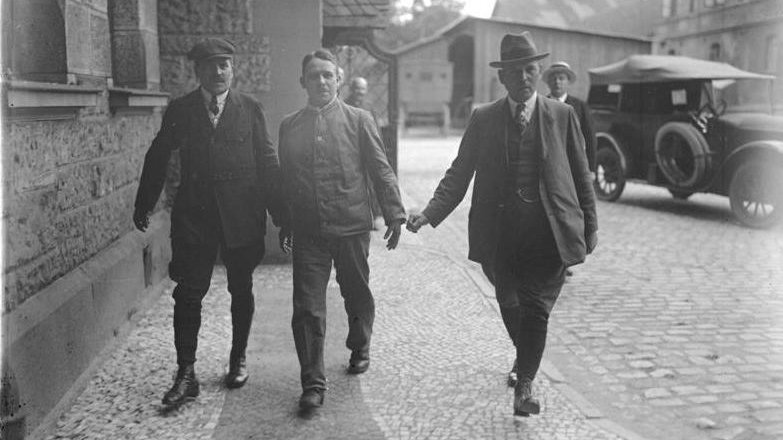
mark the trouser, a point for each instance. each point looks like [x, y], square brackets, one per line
[528, 275]
[312, 260]
[191, 267]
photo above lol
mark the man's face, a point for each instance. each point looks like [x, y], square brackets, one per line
[558, 84]
[520, 80]
[320, 80]
[358, 91]
[215, 74]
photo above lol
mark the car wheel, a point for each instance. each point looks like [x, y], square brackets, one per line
[680, 194]
[609, 178]
[755, 193]
[682, 153]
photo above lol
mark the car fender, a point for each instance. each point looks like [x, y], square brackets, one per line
[616, 146]
[773, 148]
[769, 149]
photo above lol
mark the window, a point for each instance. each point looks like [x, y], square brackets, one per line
[714, 52]
[772, 51]
[669, 8]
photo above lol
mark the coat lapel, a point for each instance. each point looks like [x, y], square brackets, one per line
[545, 125]
[230, 114]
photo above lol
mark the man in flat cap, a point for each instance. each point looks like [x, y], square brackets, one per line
[558, 76]
[533, 206]
[330, 153]
[229, 180]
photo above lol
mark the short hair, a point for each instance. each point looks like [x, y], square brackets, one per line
[321, 54]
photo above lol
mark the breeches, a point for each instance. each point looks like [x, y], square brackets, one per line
[191, 267]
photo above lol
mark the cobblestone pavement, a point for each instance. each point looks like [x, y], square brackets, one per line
[674, 327]
[439, 359]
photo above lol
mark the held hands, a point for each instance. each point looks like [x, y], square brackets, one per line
[141, 220]
[392, 234]
[416, 221]
[592, 242]
[286, 238]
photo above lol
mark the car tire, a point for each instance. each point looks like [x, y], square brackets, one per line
[682, 154]
[680, 194]
[609, 180]
[754, 193]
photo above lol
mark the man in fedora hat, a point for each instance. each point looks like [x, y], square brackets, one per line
[558, 76]
[229, 173]
[533, 205]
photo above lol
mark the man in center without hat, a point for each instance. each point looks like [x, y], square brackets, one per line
[533, 205]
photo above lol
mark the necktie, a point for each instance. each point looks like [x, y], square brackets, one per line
[519, 117]
[213, 106]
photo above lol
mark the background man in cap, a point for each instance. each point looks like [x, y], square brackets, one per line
[328, 151]
[229, 173]
[533, 206]
[558, 76]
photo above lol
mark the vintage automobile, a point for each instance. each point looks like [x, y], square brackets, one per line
[690, 126]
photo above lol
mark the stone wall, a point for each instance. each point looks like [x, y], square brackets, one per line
[69, 188]
[182, 23]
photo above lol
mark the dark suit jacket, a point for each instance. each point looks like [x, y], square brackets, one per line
[230, 172]
[586, 123]
[565, 185]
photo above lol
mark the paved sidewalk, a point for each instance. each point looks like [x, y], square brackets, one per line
[439, 359]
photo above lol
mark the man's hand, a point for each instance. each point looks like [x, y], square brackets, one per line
[416, 221]
[592, 242]
[141, 220]
[286, 238]
[393, 233]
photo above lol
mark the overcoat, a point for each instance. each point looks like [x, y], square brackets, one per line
[230, 171]
[565, 186]
[586, 124]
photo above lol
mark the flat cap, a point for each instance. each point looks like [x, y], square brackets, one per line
[211, 48]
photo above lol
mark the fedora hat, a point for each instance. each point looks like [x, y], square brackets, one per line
[516, 49]
[559, 67]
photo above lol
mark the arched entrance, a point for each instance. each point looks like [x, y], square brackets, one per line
[461, 57]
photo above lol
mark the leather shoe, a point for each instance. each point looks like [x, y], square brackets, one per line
[358, 363]
[524, 402]
[311, 398]
[511, 380]
[237, 372]
[185, 387]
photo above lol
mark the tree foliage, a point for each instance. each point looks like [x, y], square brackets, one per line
[418, 20]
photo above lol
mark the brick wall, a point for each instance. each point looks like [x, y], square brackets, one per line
[69, 188]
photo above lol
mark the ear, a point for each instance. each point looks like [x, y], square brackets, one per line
[501, 76]
[302, 82]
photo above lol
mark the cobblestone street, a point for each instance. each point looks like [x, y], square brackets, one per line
[674, 327]
[671, 330]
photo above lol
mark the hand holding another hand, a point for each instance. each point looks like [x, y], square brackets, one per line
[416, 221]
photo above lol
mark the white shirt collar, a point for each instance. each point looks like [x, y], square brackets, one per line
[530, 104]
[561, 98]
[221, 98]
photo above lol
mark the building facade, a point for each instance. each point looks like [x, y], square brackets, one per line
[467, 46]
[744, 33]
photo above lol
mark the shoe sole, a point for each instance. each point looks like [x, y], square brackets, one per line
[310, 405]
[234, 384]
[179, 403]
[528, 407]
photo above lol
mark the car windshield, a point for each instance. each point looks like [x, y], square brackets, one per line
[742, 95]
